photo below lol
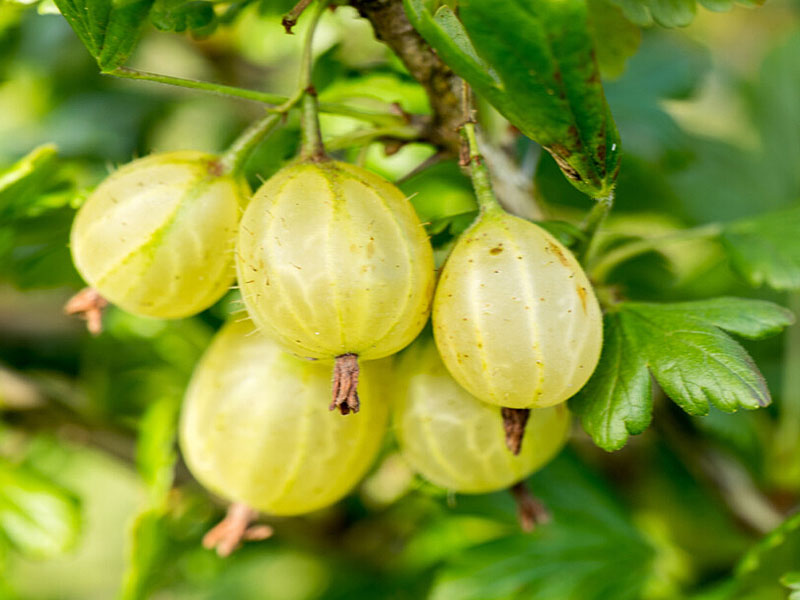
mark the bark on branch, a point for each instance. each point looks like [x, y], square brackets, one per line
[442, 85]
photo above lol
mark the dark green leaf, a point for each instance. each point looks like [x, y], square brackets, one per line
[684, 347]
[542, 76]
[590, 550]
[109, 29]
[38, 517]
[617, 401]
[766, 248]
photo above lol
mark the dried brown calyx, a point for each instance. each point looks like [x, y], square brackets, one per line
[530, 510]
[234, 529]
[88, 304]
[345, 384]
[514, 421]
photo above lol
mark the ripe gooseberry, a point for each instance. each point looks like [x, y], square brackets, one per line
[156, 237]
[334, 264]
[515, 318]
[255, 428]
[456, 441]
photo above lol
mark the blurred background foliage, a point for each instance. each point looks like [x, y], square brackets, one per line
[710, 120]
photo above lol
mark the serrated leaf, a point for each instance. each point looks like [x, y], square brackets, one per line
[39, 518]
[766, 249]
[617, 400]
[535, 63]
[752, 319]
[110, 29]
[685, 347]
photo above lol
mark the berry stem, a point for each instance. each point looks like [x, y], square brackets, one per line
[235, 157]
[275, 100]
[311, 147]
[471, 156]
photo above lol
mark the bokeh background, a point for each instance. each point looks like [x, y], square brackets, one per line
[710, 120]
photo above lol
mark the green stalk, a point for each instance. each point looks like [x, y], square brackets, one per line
[481, 181]
[311, 147]
[605, 264]
[235, 157]
[594, 220]
[275, 100]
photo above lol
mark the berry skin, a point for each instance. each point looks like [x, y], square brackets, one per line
[156, 237]
[456, 441]
[515, 317]
[255, 428]
[333, 263]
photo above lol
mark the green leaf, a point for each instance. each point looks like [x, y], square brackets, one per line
[615, 38]
[590, 550]
[109, 29]
[673, 13]
[155, 449]
[446, 34]
[792, 581]
[535, 63]
[685, 347]
[768, 565]
[617, 401]
[766, 249]
[751, 319]
[180, 15]
[149, 543]
[22, 183]
[39, 518]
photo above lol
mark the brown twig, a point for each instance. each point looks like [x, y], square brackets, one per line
[290, 19]
[391, 25]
